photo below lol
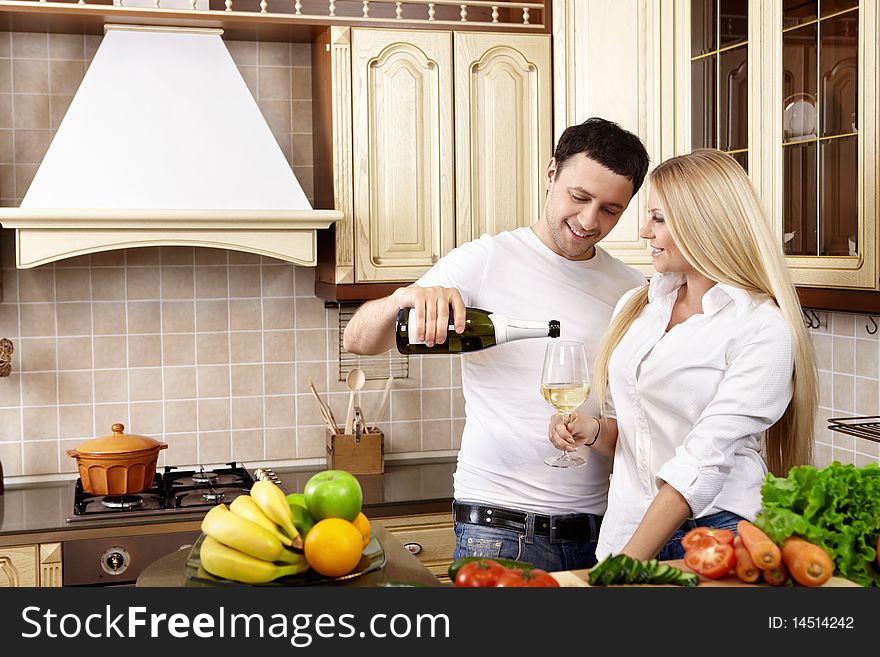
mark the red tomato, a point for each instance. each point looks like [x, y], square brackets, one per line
[693, 536]
[482, 573]
[710, 558]
[531, 578]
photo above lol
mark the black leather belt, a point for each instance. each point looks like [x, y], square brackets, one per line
[580, 527]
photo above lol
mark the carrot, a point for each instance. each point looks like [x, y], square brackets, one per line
[746, 569]
[764, 552]
[808, 563]
[776, 576]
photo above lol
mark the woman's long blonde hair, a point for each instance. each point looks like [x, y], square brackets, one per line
[715, 217]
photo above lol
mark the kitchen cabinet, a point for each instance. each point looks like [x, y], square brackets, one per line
[804, 109]
[449, 136]
[31, 565]
[430, 537]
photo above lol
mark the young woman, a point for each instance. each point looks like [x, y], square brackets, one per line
[707, 373]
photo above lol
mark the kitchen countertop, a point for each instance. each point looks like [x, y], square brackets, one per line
[400, 566]
[38, 512]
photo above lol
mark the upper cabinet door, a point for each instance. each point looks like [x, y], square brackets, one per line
[402, 143]
[503, 140]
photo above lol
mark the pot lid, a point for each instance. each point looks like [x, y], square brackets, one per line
[118, 442]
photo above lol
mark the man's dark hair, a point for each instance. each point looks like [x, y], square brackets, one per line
[608, 144]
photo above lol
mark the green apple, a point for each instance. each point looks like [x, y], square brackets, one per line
[333, 494]
[302, 519]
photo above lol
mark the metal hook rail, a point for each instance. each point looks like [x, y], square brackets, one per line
[811, 319]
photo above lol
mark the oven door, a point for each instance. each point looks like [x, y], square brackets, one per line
[118, 561]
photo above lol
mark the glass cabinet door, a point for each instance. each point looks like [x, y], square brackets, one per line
[820, 64]
[719, 76]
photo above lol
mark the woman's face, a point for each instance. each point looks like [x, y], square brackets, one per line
[664, 252]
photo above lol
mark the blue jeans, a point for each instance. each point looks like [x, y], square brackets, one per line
[480, 541]
[720, 520]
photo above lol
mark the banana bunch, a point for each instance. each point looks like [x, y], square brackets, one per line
[249, 541]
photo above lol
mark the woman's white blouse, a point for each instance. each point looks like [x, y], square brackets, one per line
[692, 404]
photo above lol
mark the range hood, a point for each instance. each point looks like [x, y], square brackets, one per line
[163, 144]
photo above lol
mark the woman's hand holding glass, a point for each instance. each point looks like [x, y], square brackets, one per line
[577, 431]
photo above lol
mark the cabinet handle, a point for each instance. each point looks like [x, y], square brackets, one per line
[414, 548]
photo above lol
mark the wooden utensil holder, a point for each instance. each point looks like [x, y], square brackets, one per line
[364, 456]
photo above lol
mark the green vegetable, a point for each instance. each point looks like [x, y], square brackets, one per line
[837, 507]
[507, 563]
[622, 569]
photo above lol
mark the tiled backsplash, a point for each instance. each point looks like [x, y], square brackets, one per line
[211, 351]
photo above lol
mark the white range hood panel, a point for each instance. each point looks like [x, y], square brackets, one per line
[163, 134]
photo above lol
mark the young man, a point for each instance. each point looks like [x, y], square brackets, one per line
[508, 503]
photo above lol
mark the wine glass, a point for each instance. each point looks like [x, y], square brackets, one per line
[565, 385]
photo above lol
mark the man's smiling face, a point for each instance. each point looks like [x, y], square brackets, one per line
[584, 202]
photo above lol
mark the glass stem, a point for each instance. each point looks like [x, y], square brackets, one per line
[564, 456]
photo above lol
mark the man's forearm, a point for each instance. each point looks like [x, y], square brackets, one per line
[371, 330]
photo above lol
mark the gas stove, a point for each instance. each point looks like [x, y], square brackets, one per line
[173, 491]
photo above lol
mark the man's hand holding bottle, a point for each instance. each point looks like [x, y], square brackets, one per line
[431, 305]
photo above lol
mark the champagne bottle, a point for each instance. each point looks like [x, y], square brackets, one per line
[482, 329]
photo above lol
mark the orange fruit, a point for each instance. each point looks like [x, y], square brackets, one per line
[333, 547]
[363, 526]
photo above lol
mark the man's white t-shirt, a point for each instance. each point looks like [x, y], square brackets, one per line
[504, 443]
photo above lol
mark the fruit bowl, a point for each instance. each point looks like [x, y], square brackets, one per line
[373, 559]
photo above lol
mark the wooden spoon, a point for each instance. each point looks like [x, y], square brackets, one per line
[355, 381]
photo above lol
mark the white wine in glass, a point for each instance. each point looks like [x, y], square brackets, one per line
[565, 385]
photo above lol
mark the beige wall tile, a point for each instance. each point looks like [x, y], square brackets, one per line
[405, 437]
[147, 420]
[37, 284]
[39, 423]
[311, 344]
[214, 414]
[145, 383]
[177, 283]
[436, 372]
[31, 145]
[273, 83]
[245, 314]
[108, 318]
[37, 319]
[204, 256]
[304, 281]
[180, 382]
[74, 318]
[211, 282]
[843, 324]
[30, 112]
[273, 54]
[242, 258]
[39, 388]
[301, 54]
[277, 115]
[244, 281]
[114, 258]
[247, 445]
[301, 83]
[110, 351]
[10, 456]
[436, 404]
[867, 396]
[278, 346]
[37, 354]
[213, 380]
[437, 434]
[279, 379]
[6, 76]
[212, 348]
[10, 424]
[111, 386]
[280, 411]
[65, 77]
[302, 116]
[250, 77]
[306, 177]
[58, 106]
[867, 358]
[75, 353]
[247, 380]
[457, 429]
[245, 347]
[212, 315]
[405, 405]
[278, 280]
[75, 387]
[308, 413]
[76, 422]
[247, 412]
[10, 394]
[178, 317]
[9, 319]
[7, 152]
[180, 416]
[278, 313]
[142, 257]
[144, 317]
[843, 354]
[310, 442]
[844, 393]
[108, 283]
[30, 45]
[177, 255]
[144, 350]
[66, 46]
[183, 449]
[179, 349]
[280, 444]
[244, 53]
[310, 313]
[72, 284]
[30, 76]
[215, 447]
[92, 43]
[40, 457]
[142, 283]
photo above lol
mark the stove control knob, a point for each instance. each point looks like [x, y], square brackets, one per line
[115, 560]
